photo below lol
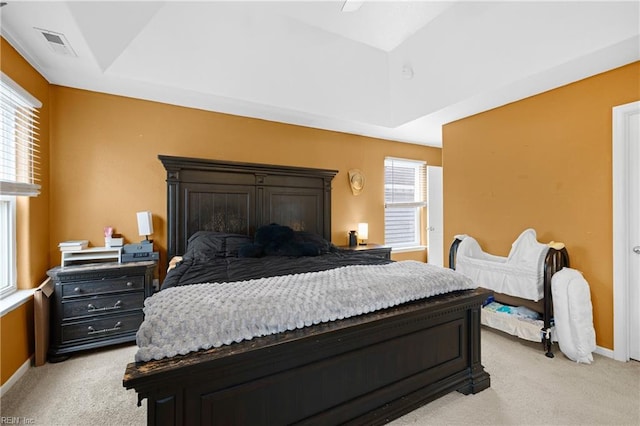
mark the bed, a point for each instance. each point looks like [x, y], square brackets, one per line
[521, 303]
[365, 368]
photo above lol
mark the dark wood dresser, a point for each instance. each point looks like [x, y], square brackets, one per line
[97, 305]
[374, 249]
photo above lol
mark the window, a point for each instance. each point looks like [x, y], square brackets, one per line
[19, 169]
[404, 202]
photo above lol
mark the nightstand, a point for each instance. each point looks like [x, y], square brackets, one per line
[370, 248]
[97, 304]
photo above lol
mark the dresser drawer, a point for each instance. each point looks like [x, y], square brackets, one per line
[103, 327]
[110, 285]
[100, 305]
[384, 253]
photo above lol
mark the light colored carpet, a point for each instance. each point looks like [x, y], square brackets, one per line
[526, 389]
[84, 390]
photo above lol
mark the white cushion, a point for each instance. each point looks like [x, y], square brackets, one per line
[573, 315]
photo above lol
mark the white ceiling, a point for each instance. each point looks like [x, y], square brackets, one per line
[397, 70]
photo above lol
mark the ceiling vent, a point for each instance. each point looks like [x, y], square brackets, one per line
[57, 42]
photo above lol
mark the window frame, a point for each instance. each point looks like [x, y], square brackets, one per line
[19, 170]
[419, 203]
[8, 278]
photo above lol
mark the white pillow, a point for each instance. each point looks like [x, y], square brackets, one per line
[573, 315]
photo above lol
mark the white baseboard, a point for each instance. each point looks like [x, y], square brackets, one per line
[604, 352]
[16, 376]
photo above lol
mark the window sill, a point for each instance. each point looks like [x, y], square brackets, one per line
[14, 300]
[408, 249]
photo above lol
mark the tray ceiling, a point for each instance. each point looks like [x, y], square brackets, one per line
[395, 70]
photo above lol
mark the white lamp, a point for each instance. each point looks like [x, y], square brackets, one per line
[145, 225]
[363, 233]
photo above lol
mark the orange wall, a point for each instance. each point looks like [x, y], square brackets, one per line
[16, 340]
[543, 162]
[105, 168]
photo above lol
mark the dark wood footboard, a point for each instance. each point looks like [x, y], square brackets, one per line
[363, 370]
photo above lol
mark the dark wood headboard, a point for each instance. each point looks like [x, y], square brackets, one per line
[233, 197]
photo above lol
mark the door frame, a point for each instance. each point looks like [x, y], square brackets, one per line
[621, 165]
[435, 251]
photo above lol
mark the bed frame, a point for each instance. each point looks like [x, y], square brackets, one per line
[367, 369]
[554, 261]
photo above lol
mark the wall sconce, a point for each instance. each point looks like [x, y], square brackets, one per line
[356, 181]
[363, 233]
[145, 226]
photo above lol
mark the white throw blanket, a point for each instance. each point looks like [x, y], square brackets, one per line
[183, 319]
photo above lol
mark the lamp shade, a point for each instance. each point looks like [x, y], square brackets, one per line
[363, 231]
[145, 223]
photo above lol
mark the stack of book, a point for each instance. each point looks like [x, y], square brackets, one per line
[73, 245]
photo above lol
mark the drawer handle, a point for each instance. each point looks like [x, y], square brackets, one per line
[77, 289]
[129, 284]
[104, 330]
[92, 308]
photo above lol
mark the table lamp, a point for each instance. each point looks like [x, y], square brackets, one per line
[363, 233]
[145, 226]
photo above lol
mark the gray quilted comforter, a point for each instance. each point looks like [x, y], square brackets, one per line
[189, 318]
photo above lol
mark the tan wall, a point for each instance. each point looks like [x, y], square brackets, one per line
[105, 166]
[543, 162]
[16, 340]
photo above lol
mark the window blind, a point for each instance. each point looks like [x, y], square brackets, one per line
[405, 196]
[19, 149]
[405, 183]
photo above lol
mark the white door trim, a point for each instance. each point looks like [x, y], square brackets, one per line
[435, 228]
[621, 224]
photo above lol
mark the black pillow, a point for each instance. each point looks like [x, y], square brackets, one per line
[205, 245]
[279, 240]
[323, 246]
[250, 250]
[273, 235]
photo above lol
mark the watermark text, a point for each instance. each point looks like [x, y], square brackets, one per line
[6, 420]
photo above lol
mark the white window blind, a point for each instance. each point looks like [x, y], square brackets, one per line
[19, 151]
[405, 198]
